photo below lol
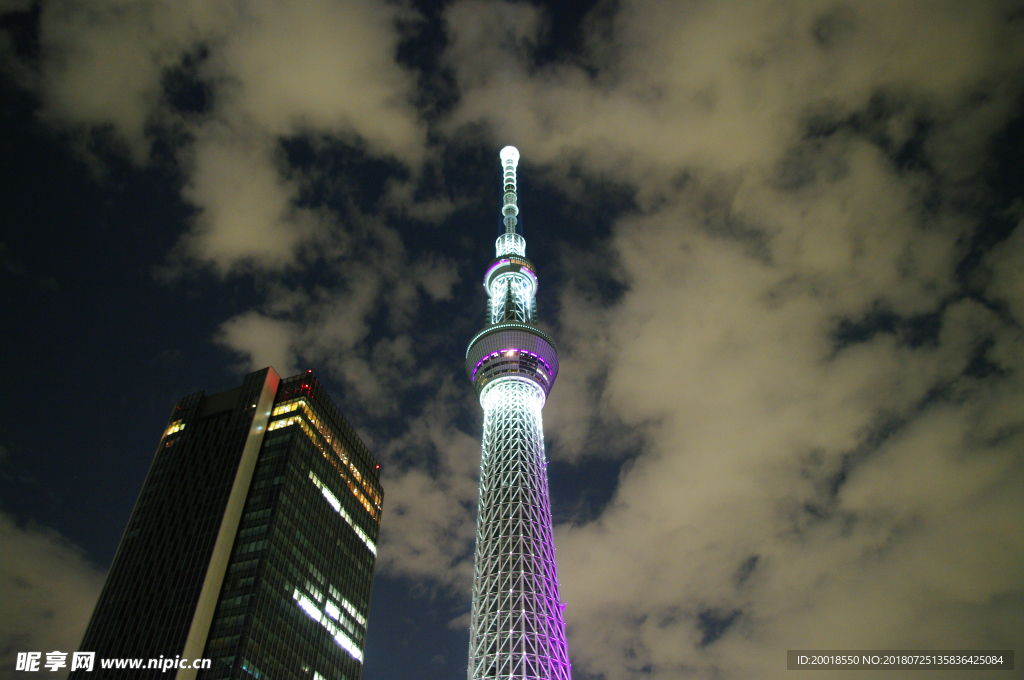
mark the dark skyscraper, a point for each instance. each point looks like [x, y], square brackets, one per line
[252, 543]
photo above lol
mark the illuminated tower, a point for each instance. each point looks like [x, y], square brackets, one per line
[516, 629]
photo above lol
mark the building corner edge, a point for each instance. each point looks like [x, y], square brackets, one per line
[195, 642]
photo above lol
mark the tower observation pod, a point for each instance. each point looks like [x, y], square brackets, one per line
[516, 627]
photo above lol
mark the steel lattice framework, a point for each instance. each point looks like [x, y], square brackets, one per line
[516, 629]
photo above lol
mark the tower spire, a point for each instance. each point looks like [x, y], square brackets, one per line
[516, 627]
[509, 161]
[511, 242]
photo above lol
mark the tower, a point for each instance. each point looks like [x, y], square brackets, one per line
[251, 546]
[516, 627]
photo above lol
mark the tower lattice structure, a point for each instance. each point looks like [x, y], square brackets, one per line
[517, 629]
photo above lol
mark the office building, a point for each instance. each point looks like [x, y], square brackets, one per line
[516, 626]
[252, 543]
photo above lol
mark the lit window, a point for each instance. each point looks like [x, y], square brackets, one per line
[314, 592]
[332, 442]
[336, 504]
[308, 605]
[352, 610]
[176, 426]
[313, 611]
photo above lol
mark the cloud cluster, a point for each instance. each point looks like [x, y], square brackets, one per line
[831, 413]
[230, 82]
[49, 591]
[431, 507]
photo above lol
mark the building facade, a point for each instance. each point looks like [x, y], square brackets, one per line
[252, 543]
[517, 629]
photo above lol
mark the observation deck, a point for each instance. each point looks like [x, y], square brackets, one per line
[512, 350]
[510, 264]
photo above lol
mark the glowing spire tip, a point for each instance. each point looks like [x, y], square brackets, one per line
[510, 153]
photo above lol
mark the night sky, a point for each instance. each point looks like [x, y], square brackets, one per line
[778, 244]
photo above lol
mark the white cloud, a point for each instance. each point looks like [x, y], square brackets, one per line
[262, 340]
[271, 70]
[370, 278]
[1007, 285]
[722, 85]
[102, 67]
[324, 66]
[48, 593]
[247, 212]
[431, 494]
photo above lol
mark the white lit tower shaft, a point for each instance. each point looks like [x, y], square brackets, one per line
[516, 629]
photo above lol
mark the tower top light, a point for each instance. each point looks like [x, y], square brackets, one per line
[509, 210]
[510, 153]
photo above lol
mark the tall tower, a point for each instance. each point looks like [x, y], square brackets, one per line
[516, 629]
[251, 547]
